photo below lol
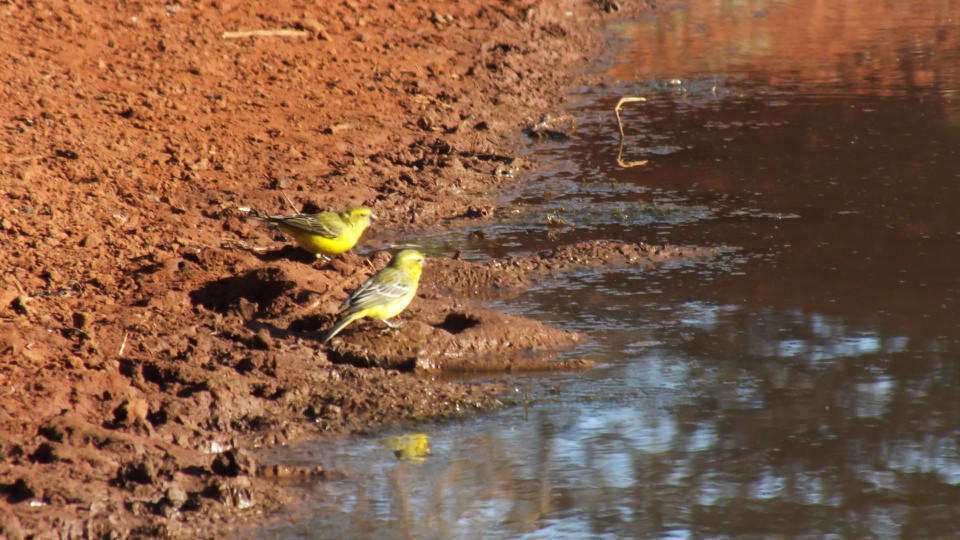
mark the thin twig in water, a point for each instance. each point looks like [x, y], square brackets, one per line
[628, 164]
[627, 99]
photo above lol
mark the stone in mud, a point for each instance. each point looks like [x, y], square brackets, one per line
[132, 412]
[261, 340]
[332, 411]
[175, 496]
[233, 492]
[234, 463]
[140, 472]
[247, 309]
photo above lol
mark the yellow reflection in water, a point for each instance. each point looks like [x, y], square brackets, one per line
[412, 447]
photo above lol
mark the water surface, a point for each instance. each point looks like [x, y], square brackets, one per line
[805, 382]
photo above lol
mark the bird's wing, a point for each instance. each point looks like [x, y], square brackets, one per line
[326, 224]
[386, 285]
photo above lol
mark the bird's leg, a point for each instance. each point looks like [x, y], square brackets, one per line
[322, 260]
[392, 324]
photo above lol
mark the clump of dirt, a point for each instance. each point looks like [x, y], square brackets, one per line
[445, 335]
[142, 355]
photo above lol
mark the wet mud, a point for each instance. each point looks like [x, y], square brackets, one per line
[501, 278]
[151, 337]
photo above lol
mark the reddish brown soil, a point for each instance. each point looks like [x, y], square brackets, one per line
[142, 354]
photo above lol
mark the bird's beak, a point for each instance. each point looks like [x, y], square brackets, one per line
[373, 216]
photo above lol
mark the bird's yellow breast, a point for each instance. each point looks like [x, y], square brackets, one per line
[315, 243]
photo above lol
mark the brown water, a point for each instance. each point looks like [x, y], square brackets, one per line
[807, 382]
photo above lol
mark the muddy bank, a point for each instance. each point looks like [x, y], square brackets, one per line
[503, 277]
[447, 333]
[140, 346]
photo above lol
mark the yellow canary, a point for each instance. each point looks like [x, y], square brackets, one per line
[384, 295]
[325, 233]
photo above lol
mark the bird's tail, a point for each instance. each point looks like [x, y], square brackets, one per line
[341, 324]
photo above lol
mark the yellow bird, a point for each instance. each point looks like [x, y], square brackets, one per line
[384, 295]
[325, 233]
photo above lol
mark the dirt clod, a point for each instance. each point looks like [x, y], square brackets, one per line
[132, 412]
[175, 496]
[139, 472]
[234, 463]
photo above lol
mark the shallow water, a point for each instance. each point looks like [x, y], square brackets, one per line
[806, 382]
